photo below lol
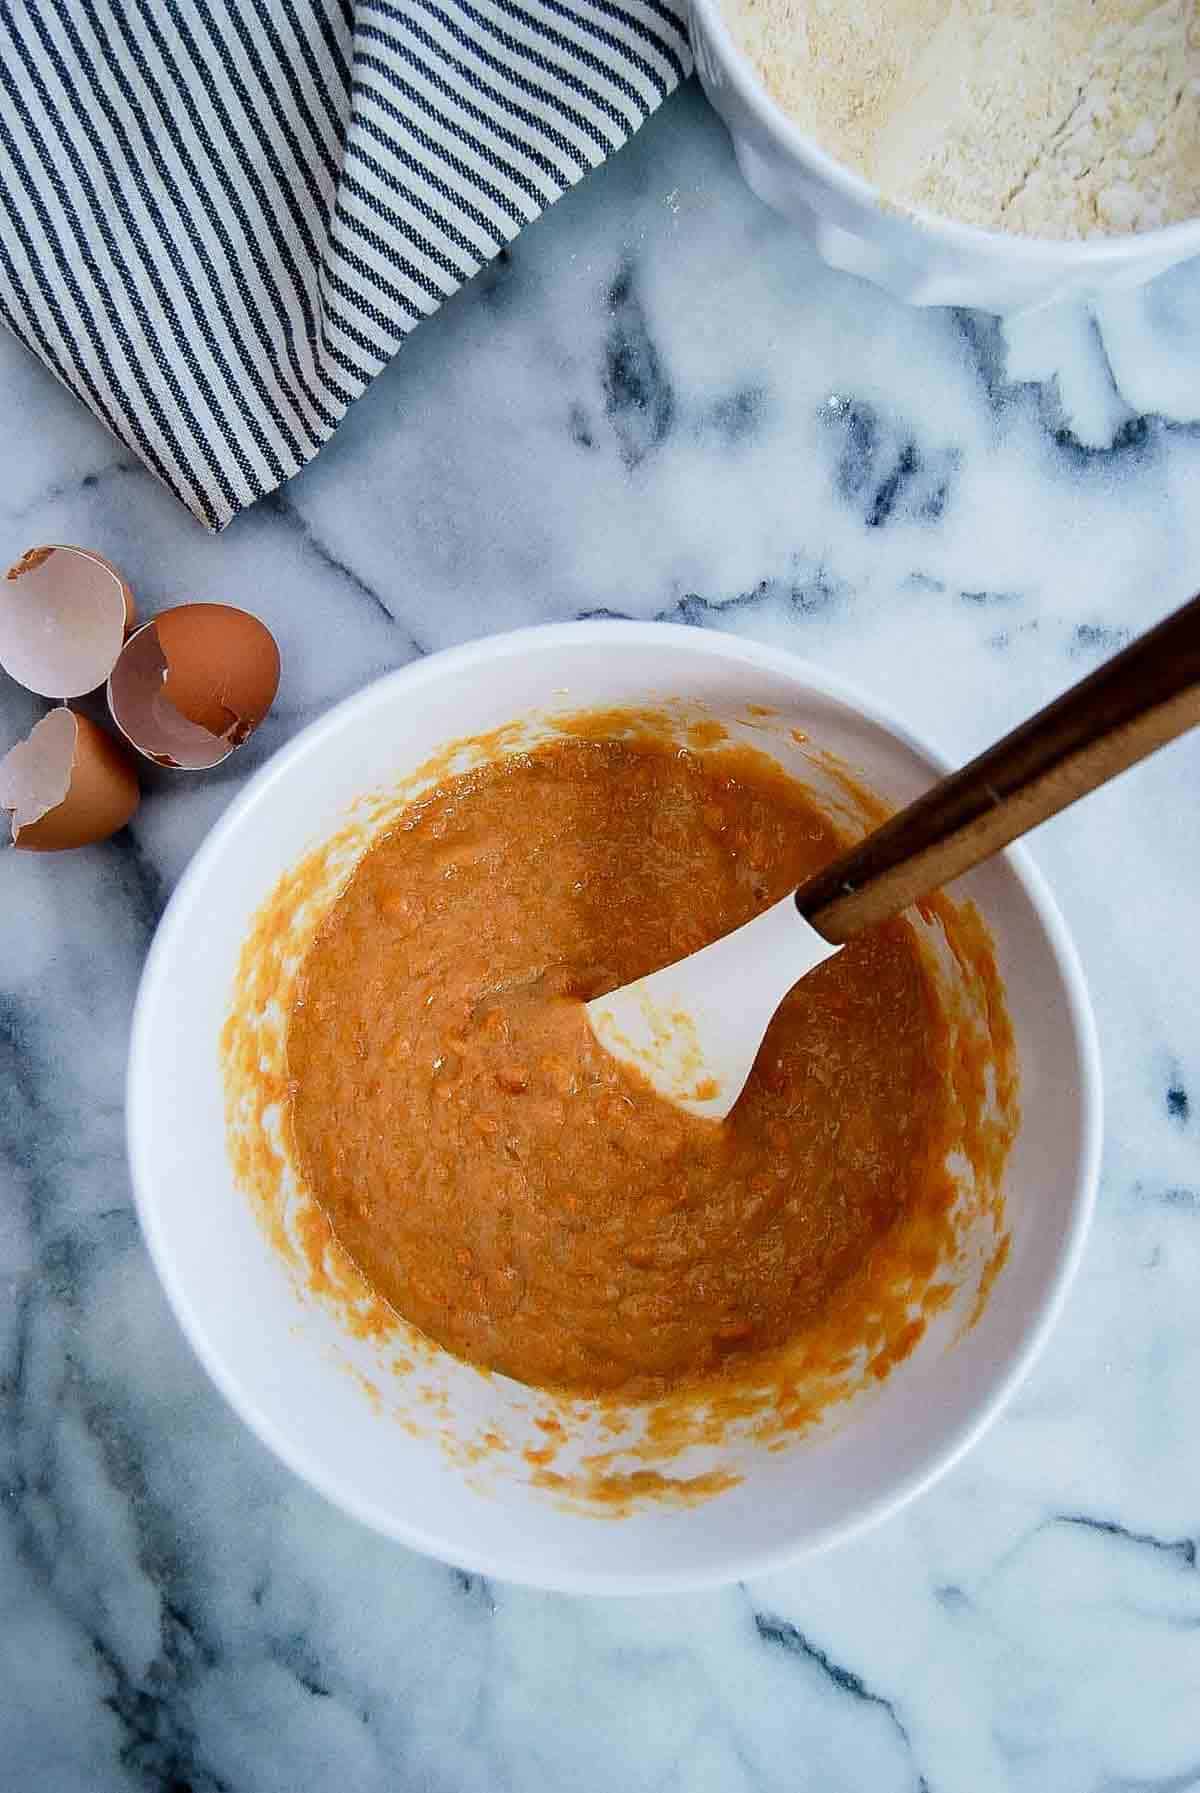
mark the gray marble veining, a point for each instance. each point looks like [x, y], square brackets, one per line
[657, 405]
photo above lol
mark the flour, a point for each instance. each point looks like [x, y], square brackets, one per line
[1056, 118]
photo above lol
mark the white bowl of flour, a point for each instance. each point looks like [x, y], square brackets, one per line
[994, 153]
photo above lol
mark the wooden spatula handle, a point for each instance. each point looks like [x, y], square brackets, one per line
[1133, 704]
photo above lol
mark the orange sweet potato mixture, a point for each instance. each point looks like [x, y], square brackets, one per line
[523, 1199]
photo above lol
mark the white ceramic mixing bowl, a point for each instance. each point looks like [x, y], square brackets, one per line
[925, 260]
[281, 1358]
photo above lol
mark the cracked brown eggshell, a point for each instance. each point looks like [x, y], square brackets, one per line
[193, 683]
[67, 784]
[64, 613]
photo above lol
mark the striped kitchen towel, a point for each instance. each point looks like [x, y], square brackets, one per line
[221, 218]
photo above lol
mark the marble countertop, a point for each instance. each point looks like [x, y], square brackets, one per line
[657, 405]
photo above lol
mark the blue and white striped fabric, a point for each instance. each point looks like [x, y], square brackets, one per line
[220, 218]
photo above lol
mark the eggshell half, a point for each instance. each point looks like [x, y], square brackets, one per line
[67, 784]
[222, 667]
[64, 613]
[192, 683]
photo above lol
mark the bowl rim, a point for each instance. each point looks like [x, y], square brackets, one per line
[310, 1467]
[1179, 239]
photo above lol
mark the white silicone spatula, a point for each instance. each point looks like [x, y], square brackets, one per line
[694, 1028]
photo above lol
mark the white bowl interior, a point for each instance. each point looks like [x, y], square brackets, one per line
[282, 1359]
